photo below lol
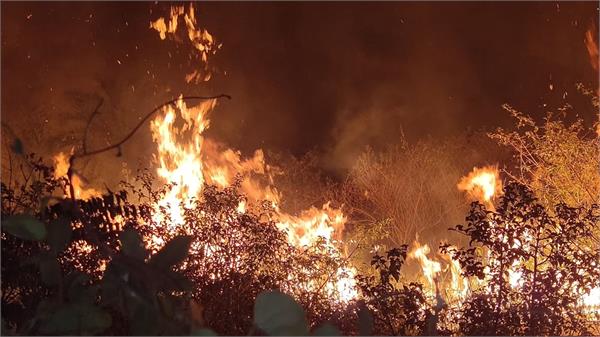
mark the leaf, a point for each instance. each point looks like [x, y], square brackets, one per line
[173, 252]
[132, 245]
[326, 329]
[50, 271]
[203, 332]
[17, 146]
[173, 281]
[61, 322]
[278, 314]
[59, 234]
[25, 227]
[79, 290]
[365, 322]
[144, 320]
[93, 320]
[70, 319]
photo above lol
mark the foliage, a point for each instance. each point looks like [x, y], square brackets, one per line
[411, 188]
[557, 160]
[544, 249]
[109, 265]
[278, 314]
[119, 249]
[396, 308]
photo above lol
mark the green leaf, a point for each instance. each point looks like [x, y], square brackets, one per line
[203, 332]
[326, 329]
[132, 245]
[59, 234]
[278, 314]
[50, 271]
[24, 226]
[173, 252]
[365, 322]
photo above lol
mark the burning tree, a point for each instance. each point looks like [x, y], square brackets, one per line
[533, 271]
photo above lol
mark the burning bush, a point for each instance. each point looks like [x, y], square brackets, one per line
[397, 309]
[531, 267]
[528, 269]
[557, 160]
[234, 255]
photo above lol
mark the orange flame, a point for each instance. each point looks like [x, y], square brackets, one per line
[186, 161]
[61, 167]
[591, 44]
[452, 289]
[201, 40]
[429, 267]
[482, 184]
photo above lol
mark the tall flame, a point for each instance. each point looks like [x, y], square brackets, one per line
[429, 267]
[186, 161]
[179, 161]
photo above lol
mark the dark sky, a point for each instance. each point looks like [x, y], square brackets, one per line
[336, 76]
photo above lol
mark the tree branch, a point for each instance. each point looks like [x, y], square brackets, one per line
[117, 145]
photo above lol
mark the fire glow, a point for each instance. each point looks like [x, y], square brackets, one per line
[186, 161]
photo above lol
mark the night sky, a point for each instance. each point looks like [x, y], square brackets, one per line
[335, 76]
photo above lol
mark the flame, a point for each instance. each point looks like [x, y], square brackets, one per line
[201, 40]
[444, 279]
[179, 162]
[591, 44]
[483, 184]
[459, 287]
[430, 268]
[186, 161]
[61, 167]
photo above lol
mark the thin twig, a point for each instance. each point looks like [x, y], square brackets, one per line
[117, 145]
[89, 122]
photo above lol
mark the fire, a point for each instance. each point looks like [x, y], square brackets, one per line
[201, 40]
[186, 161]
[443, 279]
[179, 161]
[61, 167]
[429, 267]
[591, 44]
[483, 184]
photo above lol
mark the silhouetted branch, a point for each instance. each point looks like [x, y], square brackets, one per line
[89, 122]
[117, 145]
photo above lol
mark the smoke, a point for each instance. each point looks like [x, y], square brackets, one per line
[302, 75]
